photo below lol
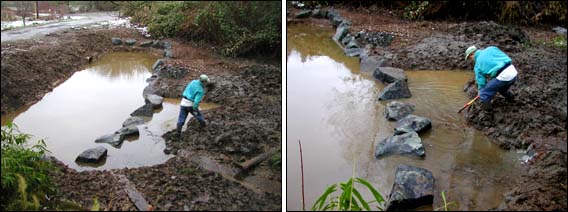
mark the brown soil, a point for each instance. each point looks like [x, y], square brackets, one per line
[537, 115]
[248, 91]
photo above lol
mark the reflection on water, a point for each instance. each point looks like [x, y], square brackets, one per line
[95, 102]
[333, 110]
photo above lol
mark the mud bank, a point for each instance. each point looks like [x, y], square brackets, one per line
[247, 124]
[537, 116]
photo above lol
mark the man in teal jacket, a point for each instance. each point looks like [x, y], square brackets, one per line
[191, 98]
[492, 63]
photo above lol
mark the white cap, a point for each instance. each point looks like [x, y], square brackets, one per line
[204, 78]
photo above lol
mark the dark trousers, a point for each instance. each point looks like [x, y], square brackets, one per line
[493, 86]
[183, 111]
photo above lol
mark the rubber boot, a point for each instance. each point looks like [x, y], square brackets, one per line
[178, 131]
[486, 106]
[509, 96]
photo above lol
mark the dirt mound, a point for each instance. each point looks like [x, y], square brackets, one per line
[181, 185]
[433, 53]
[508, 38]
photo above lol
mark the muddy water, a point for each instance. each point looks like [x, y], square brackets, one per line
[94, 102]
[333, 109]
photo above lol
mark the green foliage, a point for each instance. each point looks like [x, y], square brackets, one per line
[350, 198]
[240, 27]
[96, 205]
[24, 173]
[446, 205]
[415, 11]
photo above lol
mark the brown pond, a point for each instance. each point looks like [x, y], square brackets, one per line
[333, 109]
[94, 102]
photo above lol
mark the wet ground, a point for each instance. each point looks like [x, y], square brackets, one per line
[333, 110]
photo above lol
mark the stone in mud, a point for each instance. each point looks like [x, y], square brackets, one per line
[319, 13]
[116, 41]
[158, 63]
[93, 155]
[145, 110]
[114, 139]
[413, 187]
[128, 131]
[370, 63]
[154, 100]
[389, 74]
[303, 14]
[146, 44]
[412, 123]
[130, 42]
[358, 52]
[346, 39]
[405, 144]
[167, 45]
[352, 44]
[396, 90]
[341, 32]
[157, 44]
[133, 121]
[168, 53]
[559, 30]
[336, 22]
[396, 110]
[331, 14]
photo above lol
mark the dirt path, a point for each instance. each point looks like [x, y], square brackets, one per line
[42, 30]
[536, 118]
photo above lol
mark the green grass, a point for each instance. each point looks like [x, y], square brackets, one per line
[24, 173]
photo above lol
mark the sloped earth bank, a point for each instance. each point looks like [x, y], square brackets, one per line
[247, 123]
[538, 114]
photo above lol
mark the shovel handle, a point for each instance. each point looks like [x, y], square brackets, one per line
[468, 104]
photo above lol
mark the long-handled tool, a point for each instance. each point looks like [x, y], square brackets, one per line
[468, 104]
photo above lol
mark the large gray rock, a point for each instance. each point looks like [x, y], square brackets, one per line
[116, 41]
[168, 53]
[93, 155]
[346, 39]
[396, 90]
[128, 131]
[341, 32]
[146, 44]
[114, 139]
[389, 74]
[397, 110]
[167, 45]
[133, 121]
[412, 123]
[370, 63]
[154, 100]
[358, 52]
[130, 42]
[146, 110]
[413, 187]
[319, 13]
[559, 30]
[336, 21]
[352, 44]
[157, 44]
[405, 144]
[157, 64]
[303, 14]
[331, 14]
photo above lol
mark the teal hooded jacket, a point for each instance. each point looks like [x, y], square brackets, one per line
[487, 62]
[194, 92]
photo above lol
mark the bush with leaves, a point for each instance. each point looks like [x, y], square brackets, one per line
[25, 176]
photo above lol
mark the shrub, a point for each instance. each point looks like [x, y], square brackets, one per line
[24, 173]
